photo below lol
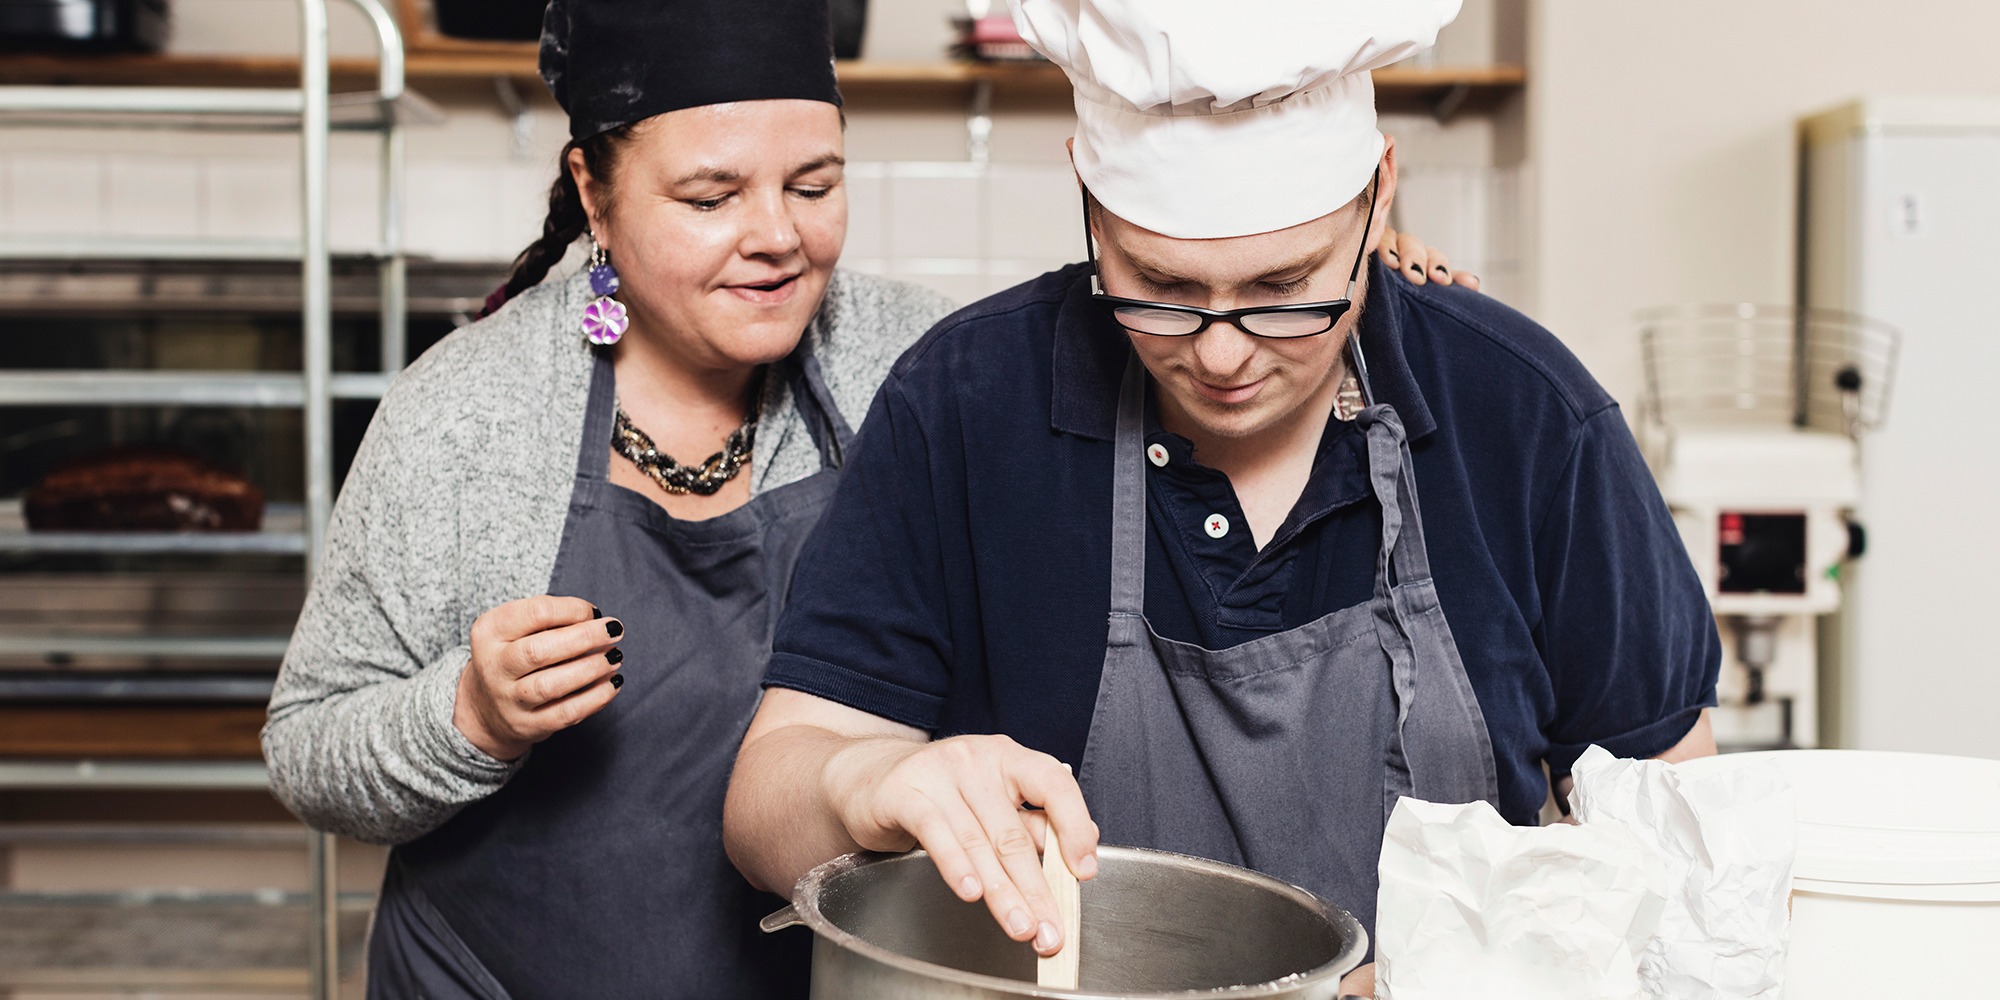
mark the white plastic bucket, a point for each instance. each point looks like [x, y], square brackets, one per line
[1896, 892]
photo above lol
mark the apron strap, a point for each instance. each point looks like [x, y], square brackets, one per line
[1128, 495]
[1403, 557]
[1397, 490]
[816, 407]
[593, 459]
[1386, 474]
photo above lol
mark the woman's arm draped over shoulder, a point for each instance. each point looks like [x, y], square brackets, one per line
[360, 738]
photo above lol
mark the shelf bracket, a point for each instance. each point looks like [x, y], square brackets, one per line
[979, 123]
[515, 107]
[1448, 102]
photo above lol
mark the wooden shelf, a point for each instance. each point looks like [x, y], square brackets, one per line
[437, 60]
[169, 70]
[151, 732]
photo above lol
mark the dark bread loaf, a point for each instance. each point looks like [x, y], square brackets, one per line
[143, 489]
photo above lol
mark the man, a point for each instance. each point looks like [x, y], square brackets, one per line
[1204, 438]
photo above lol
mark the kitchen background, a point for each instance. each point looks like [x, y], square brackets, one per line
[1586, 159]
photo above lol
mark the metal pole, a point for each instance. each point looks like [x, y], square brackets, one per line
[316, 276]
[316, 361]
[324, 962]
[394, 270]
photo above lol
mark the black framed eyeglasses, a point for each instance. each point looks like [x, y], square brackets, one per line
[1285, 322]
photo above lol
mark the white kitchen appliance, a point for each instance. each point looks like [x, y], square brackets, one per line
[1896, 886]
[1900, 217]
[1752, 421]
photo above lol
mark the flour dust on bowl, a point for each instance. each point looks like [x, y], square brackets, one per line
[1896, 891]
[1155, 925]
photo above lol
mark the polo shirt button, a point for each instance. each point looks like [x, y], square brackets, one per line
[1216, 525]
[1157, 454]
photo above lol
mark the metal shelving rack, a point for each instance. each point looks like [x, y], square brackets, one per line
[310, 110]
[257, 922]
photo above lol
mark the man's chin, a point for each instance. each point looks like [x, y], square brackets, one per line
[1226, 420]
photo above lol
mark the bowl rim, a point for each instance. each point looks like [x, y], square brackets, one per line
[805, 909]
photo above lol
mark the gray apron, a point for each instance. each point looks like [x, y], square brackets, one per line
[598, 870]
[1286, 753]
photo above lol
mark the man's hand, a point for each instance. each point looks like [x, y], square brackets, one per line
[539, 665]
[962, 799]
[817, 779]
[1359, 983]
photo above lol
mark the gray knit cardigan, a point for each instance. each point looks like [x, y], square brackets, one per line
[455, 504]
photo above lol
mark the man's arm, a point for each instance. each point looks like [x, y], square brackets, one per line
[780, 818]
[1626, 631]
[816, 779]
[1699, 742]
[839, 756]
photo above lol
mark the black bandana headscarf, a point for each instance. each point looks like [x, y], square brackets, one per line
[615, 62]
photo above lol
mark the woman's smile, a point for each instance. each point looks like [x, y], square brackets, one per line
[773, 291]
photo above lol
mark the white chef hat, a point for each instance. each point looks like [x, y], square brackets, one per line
[1200, 119]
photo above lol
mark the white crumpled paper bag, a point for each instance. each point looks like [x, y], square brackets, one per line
[1728, 837]
[1471, 906]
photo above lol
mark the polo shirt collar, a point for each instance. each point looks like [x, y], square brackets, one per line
[1090, 353]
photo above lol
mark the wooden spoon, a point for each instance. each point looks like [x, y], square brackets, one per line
[1059, 970]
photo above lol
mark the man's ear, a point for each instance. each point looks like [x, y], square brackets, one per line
[1089, 217]
[1385, 192]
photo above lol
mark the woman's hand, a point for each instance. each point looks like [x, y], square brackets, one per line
[539, 665]
[961, 799]
[1418, 263]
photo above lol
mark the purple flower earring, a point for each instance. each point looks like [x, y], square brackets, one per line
[604, 319]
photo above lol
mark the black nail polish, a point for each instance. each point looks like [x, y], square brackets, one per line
[615, 627]
[617, 681]
[1418, 268]
[1441, 270]
[615, 655]
[594, 613]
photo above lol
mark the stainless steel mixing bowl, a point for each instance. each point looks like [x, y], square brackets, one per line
[1155, 925]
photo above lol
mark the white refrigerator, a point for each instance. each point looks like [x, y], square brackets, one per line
[1900, 221]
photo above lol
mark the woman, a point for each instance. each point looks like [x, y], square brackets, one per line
[557, 835]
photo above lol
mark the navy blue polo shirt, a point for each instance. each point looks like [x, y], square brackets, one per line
[960, 581]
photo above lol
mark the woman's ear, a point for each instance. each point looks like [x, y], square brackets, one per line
[588, 190]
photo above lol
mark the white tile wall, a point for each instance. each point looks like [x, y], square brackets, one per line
[522, 195]
[152, 196]
[935, 210]
[354, 183]
[452, 210]
[1035, 213]
[247, 198]
[965, 229]
[455, 209]
[56, 195]
[1470, 213]
[867, 213]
